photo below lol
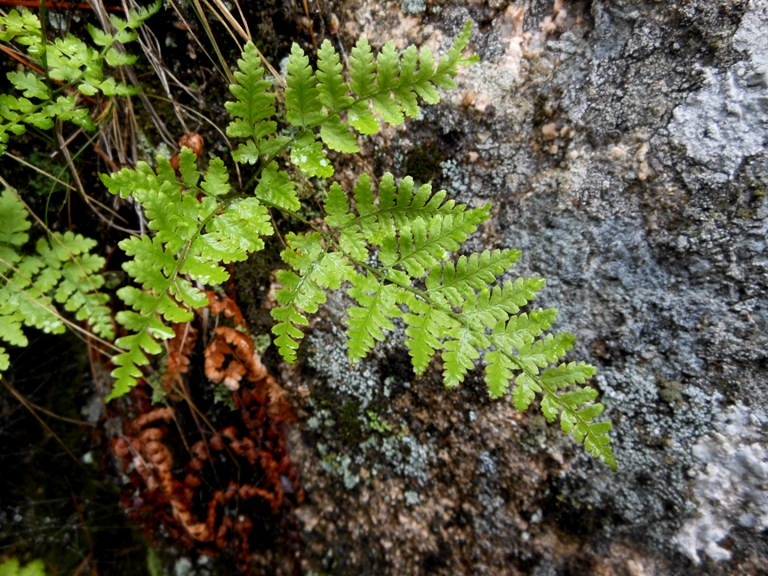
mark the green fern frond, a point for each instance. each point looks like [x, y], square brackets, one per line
[543, 351]
[577, 409]
[21, 27]
[521, 330]
[350, 237]
[398, 205]
[454, 283]
[302, 98]
[78, 287]
[460, 350]
[448, 67]
[388, 84]
[14, 225]
[321, 107]
[421, 244]
[61, 271]
[145, 328]
[196, 229]
[426, 327]
[309, 156]
[565, 375]
[489, 306]
[276, 188]
[466, 312]
[68, 60]
[318, 270]
[252, 109]
[333, 91]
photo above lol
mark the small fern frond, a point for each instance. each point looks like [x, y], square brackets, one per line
[426, 327]
[21, 27]
[398, 205]
[521, 330]
[576, 408]
[305, 95]
[421, 244]
[318, 270]
[466, 313]
[454, 283]
[309, 156]
[333, 91]
[302, 98]
[391, 82]
[321, 104]
[14, 225]
[145, 330]
[499, 372]
[69, 61]
[460, 350]
[350, 237]
[78, 287]
[362, 69]
[488, 307]
[542, 352]
[275, 188]
[62, 270]
[448, 67]
[565, 375]
[196, 229]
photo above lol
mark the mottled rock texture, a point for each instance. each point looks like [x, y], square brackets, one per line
[623, 144]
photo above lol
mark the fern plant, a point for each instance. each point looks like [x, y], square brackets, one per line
[61, 271]
[391, 245]
[63, 72]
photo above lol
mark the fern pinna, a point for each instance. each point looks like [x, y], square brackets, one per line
[391, 247]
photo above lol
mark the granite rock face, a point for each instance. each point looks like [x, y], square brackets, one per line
[624, 146]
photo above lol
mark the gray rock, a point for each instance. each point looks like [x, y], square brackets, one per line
[623, 143]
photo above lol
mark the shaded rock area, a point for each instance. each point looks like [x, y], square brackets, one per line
[623, 145]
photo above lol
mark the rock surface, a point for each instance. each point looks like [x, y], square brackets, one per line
[623, 144]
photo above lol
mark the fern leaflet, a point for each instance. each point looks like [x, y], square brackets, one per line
[368, 322]
[252, 110]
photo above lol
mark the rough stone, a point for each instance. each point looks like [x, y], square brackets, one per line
[623, 144]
